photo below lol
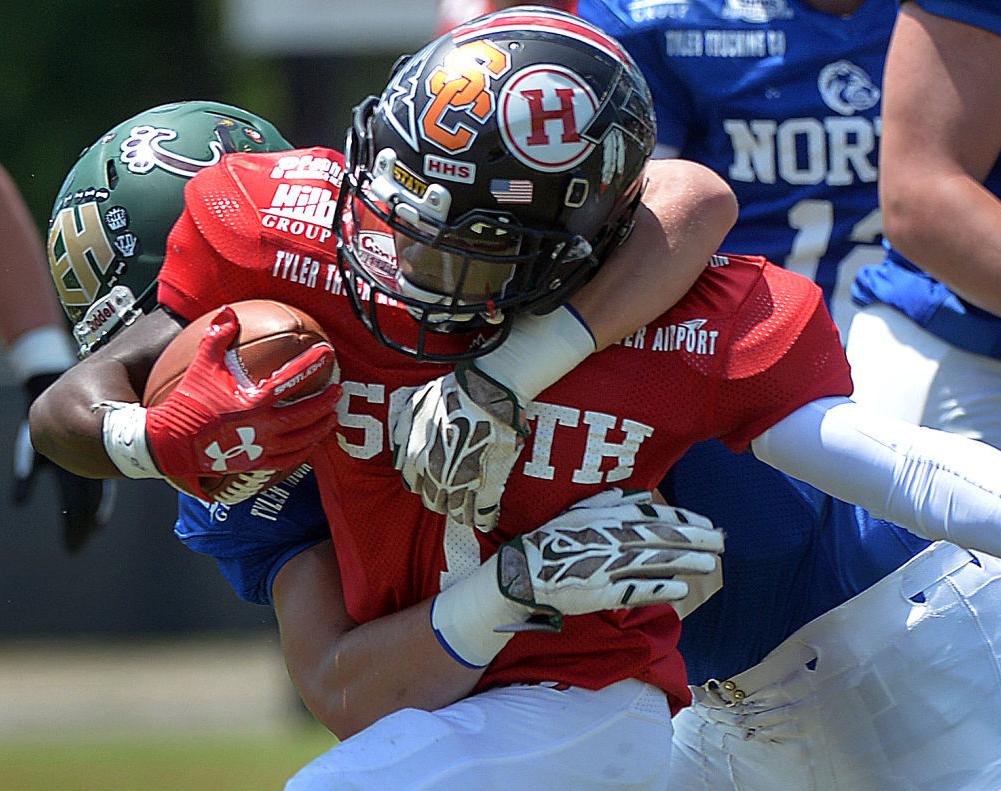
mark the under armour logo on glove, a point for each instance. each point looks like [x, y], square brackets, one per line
[191, 432]
[220, 457]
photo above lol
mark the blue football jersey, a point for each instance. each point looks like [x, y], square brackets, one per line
[251, 541]
[783, 101]
[898, 283]
[792, 554]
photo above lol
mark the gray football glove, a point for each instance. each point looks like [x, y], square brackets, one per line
[615, 549]
[455, 441]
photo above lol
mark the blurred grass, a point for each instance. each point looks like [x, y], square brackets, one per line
[159, 762]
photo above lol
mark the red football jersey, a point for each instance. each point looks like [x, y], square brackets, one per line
[747, 345]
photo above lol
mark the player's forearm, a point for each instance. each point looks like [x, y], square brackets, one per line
[939, 486]
[383, 666]
[933, 155]
[687, 211]
[67, 428]
[953, 233]
[66, 423]
[350, 675]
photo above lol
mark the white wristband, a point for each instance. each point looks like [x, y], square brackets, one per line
[124, 435]
[464, 617]
[539, 352]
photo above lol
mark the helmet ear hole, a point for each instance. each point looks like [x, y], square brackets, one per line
[111, 174]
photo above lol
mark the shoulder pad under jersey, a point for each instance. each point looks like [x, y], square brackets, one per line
[284, 198]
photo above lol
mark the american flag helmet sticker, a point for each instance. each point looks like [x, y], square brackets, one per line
[511, 190]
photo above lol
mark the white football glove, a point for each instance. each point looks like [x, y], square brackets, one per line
[615, 549]
[455, 441]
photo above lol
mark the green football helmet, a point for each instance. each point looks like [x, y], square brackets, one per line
[109, 225]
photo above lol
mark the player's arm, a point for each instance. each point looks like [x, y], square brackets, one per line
[686, 212]
[91, 421]
[348, 675]
[433, 653]
[939, 486]
[785, 393]
[24, 271]
[66, 424]
[941, 137]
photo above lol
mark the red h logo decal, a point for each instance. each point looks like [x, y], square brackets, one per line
[539, 115]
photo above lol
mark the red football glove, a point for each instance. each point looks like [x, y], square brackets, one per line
[210, 425]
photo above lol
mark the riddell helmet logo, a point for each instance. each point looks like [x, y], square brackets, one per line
[543, 111]
[220, 457]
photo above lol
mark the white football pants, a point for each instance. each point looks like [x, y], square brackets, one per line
[898, 689]
[901, 369]
[528, 738]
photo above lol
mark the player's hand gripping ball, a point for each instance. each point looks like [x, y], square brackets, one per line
[239, 399]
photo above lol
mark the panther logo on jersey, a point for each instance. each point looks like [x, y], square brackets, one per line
[846, 88]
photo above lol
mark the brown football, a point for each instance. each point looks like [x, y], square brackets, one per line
[271, 334]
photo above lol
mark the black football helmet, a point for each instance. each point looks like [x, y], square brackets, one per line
[507, 158]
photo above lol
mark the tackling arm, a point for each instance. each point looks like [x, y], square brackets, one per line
[686, 212]
[612, 550]
[937, 485]
[349, 675]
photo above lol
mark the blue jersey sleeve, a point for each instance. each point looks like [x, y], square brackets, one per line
[984, 14]
[645, 42]
[251, 541]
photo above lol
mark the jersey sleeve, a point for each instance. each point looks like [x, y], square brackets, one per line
[644, 41]
[784, 352]
[190, 280]
[240, 217]
[253, 540]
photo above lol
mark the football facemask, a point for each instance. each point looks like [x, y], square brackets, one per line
[505, 159]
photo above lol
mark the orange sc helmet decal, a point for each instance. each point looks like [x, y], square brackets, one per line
[462, 84]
